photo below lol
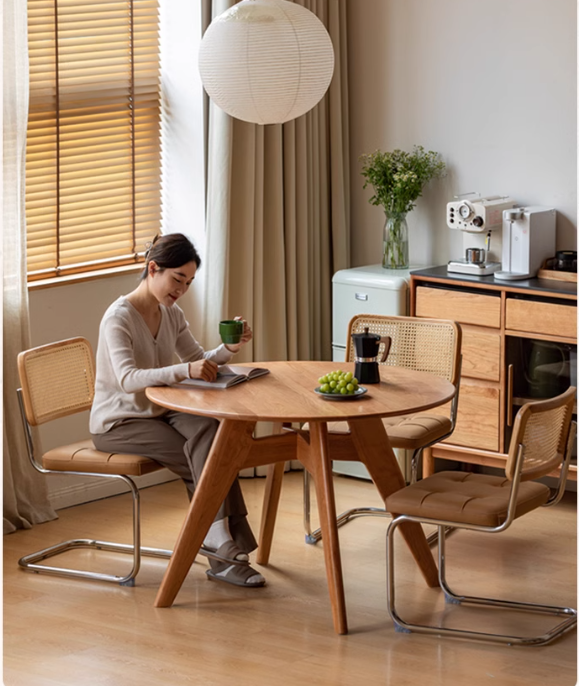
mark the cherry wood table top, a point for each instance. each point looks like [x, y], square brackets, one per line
[287, 395]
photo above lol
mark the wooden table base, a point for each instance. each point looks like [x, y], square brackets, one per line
[286, 395]
[386, 475]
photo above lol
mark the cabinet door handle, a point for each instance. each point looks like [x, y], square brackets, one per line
[510, 395]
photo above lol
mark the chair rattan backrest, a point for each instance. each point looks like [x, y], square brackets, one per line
[57, 379]
[542, 427]
[427, 345]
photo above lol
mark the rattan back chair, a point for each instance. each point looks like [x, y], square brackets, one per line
[542, 441]
[426, 345]
[57, 380]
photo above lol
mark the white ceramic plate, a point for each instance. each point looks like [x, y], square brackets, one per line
[338, 396]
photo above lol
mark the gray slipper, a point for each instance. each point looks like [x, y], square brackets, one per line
[226, 554]
[236, 575]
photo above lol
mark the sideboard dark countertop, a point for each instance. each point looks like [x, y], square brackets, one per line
[544, 285]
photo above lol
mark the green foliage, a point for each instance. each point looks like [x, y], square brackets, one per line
[398, 177]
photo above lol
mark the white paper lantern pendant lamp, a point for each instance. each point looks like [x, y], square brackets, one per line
[266, 61]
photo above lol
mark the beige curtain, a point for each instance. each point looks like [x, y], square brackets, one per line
[25, 494]
[278, 215]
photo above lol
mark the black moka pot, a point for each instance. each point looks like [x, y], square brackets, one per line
[366, 347]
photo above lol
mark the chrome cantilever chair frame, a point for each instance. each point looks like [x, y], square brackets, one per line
[31, 561]
[454, 598]
[313, 536]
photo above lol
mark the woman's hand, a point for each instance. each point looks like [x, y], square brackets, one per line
[245, 338]
[203, 369]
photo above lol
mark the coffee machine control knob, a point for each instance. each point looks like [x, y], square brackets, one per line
[464, 210]
[478, 221]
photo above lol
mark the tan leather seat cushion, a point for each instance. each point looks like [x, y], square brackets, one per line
[408, 432]
[84, 457]
[465, 497]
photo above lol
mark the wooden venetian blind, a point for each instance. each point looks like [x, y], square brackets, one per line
[93, 156]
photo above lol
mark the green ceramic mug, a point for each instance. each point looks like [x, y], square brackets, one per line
[231, 331]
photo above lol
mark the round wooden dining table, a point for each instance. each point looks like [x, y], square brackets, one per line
[286, 395]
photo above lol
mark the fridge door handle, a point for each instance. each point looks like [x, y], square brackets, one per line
[361, 296]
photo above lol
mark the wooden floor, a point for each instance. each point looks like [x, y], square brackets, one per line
[60, 632]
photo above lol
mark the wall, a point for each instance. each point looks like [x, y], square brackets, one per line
[490, 84]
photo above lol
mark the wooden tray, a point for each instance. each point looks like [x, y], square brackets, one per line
[546, 273]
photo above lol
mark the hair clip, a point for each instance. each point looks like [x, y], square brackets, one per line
[149, 245]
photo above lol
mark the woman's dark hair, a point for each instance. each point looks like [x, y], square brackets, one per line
[169, 252]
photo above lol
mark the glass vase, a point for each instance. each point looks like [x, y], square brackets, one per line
[395, 254]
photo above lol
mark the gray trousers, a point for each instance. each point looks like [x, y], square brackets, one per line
[180, 442]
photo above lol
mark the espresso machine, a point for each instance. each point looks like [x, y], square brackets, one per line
[528, 240]
[366, 347]
[476, 217]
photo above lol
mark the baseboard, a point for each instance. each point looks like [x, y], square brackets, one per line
[96, 488]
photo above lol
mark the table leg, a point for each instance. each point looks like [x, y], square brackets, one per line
[374, 450]
[317, 462]
[228, 453]
[273, 481]
[269, 511]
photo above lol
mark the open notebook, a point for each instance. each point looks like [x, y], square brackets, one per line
[227, 375]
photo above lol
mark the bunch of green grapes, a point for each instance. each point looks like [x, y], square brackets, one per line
[344, 383]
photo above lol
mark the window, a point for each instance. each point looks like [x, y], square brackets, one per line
[93, 153]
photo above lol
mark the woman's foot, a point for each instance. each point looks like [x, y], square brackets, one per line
[228, 553]
[217, 536]
[236, 574]
[230, 564]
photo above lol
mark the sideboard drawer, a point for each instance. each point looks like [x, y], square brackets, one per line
[467, 308]
[481, 353]
[541, 318]
[477, 423]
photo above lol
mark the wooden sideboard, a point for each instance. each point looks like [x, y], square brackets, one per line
[501, 322]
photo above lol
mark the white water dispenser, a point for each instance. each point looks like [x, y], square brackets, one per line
[528, 240]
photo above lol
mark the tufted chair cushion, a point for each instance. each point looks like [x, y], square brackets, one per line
[407, 432]
[84, 457]
[465, 497]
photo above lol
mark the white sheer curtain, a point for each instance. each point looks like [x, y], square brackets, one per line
[24, 490]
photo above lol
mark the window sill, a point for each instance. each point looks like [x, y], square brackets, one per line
[85, 276]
